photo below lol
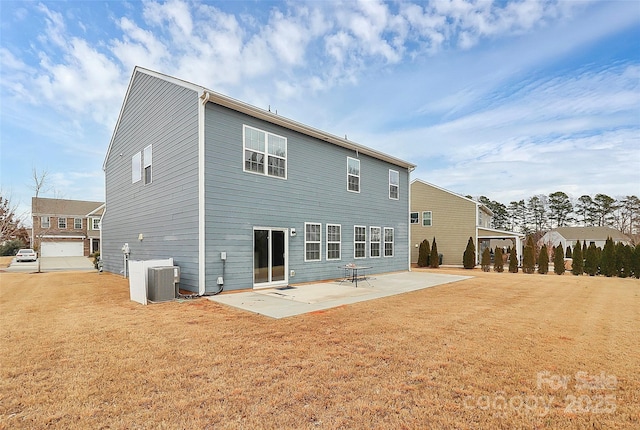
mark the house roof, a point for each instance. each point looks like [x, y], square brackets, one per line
[207, 95]
[75, 208]
[591, 233]
[477, 203]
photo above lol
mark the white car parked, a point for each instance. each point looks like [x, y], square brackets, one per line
[26, 255]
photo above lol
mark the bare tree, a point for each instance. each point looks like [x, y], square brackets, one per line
[11, 227]
[40, 183]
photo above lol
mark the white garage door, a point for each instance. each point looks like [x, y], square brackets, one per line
[62, 249]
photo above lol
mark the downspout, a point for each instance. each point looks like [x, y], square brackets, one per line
[201, 194]
[408, 221]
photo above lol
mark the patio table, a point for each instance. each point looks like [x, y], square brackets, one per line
[353, 277]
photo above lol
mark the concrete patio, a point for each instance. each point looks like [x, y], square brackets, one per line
[295, 300]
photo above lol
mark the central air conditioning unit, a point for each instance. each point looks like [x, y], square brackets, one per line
[162, 283]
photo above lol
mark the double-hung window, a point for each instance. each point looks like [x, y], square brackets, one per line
[264, 153]
[147, 159]
[394, 184]
[388, 242]
[312, 235]
[334, 241]
[95, 223]
[359, 241]
[426, 219]
[45, 222]
[77, 223]
[415, 218]
[374, 242]
[353, 175]
[136, 167]
[62, 223]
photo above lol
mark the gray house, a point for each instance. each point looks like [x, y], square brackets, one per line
[243, 197]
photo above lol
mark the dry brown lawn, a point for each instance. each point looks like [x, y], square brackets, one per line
[498, 351]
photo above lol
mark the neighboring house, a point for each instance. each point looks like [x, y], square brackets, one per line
[242, 196]
[452, 219]
[63, 228]
[571, 235]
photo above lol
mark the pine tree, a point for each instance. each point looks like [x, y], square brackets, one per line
[577, 265]
[528, 259]
[608, 262]
[543, 260]
[513, 261]
[635, 261]
[568, 254]
[423, 253]
[591, 260]
[434, 258]
[469, 256]
[558, 260]
[498, 262]
[485, 263]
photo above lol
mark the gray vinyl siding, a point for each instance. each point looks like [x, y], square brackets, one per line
[165, 212]
[315, 191]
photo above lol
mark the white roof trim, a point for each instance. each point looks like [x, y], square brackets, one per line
[477, 203]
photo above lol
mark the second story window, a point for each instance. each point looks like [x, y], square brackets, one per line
[95, 223]
[353, 175]
[147, 159]
[62, 223]
[45, 222]
[426, 219]
[264, 153]
[394, 184]
[415, 218]
[77, 223]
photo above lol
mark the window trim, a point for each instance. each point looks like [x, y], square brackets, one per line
[309, 242]
[62, 223]
[391, 185]
[372, 242]
[349, 174]
[75, 224]
[430, 218]
[95, 225]
[45, 220]
[333, 242]
[147, 164]
[266, 154]
[417, 217]
[356, 242]
[393, 234]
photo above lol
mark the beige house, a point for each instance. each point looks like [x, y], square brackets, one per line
[452, 219]
[65, 228]
[571, 235]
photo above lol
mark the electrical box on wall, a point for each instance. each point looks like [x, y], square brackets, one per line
[223, 256]
[293, 232]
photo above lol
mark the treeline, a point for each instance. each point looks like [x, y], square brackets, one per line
[615, 259]
[544, 212]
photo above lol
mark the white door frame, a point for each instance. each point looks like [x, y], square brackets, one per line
[270, 283]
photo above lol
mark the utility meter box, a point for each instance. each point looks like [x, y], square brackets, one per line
[162, 282]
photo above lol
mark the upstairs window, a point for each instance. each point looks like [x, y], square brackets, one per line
[45, 222]
[147, 158]
[353, 175]
[426, 219]
[95, 223]
[394, 184]
[77, 223]
[136, 167]
[62, 223]
[415, 218]
[264, 153]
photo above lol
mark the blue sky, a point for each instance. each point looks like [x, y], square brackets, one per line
[503, 99]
